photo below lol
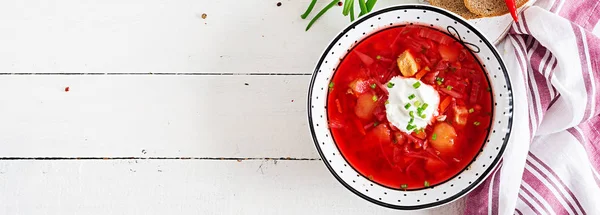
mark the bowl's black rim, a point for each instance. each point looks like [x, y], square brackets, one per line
[487, 43]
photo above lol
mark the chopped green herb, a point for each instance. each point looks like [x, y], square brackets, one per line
[373, 86]
[412, 96]
[411, 120]
[403, 186]
[439, 79]
[434, 137]
[425, 105]
[407, 106]
[374, 98]
[410, 127]
[416, 85]
[449, 87]
[378, 57]
[423, 116]
[426, 184]
[390, 85]
[417, 103]
[476, 123]
[331, 86]
[439, 82]
[489, 89]
[411, 114]
[471, 110]
[417, 131]
[375, 124]
[387, 102]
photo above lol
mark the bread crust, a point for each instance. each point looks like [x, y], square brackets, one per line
[495, 12]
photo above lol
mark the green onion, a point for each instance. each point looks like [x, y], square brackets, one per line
[417, 131]
[373, 86]
[390, 85]
[370, 4]
[331, 86]
[423, 116]
[325, 9]
[375, 124]
[434, 137]
[416, 85]
[439, 82]
[439, 79]
[374, 98]
[412, 96]
[378, 57]
[417, 103]
[403, 186]
[407, 106]
[426, 184]
[449, 87]
[352, 12]
[411, 114]
[425, 105]
[346, 8]
[471, 110]
[363, 7]
[410, 127]
[411, 120]
[309, 9]
[476, 123]
[387, 102]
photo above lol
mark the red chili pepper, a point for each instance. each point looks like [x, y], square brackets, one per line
[512, 7]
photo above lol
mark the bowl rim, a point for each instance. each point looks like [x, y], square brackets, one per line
[462, 21]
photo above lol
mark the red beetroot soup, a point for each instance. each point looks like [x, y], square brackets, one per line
[401, 154]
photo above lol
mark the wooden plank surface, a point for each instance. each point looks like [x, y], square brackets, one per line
[179, 187]
[154, 116]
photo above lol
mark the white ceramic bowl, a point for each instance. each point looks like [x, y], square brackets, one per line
[479, 168]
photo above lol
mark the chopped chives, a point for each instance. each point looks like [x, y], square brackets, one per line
[434, 137]
[471, 110]
[412, 96]
[410, 127]
[387, 102]
[418, 131]
[373, 86]
[425, 105]
[403, 186]
[423, 116]
[406, 106]
[374, 98]
[449, 87]
[439, 82]
[426, 184]
[331, 85]
[378, 57]
[417, 103]
[411, 120]
[439, 79]
[476, 123]
[411, 114]
[390, 85]
[416, 85]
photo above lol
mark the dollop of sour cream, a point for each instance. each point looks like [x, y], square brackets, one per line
[411, 104]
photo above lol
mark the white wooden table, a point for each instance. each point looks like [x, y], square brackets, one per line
[167, 112]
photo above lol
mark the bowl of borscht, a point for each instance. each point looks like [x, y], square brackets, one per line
[410, 107]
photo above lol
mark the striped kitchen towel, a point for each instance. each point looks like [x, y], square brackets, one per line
[552, 162]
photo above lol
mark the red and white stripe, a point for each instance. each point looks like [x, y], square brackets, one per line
[552, 56]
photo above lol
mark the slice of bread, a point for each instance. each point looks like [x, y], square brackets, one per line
[488, 8]
[456, 6]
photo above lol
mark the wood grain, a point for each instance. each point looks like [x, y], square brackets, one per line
[163, 116]
[180, 187]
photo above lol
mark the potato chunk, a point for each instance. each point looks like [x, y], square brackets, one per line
[407, 65]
